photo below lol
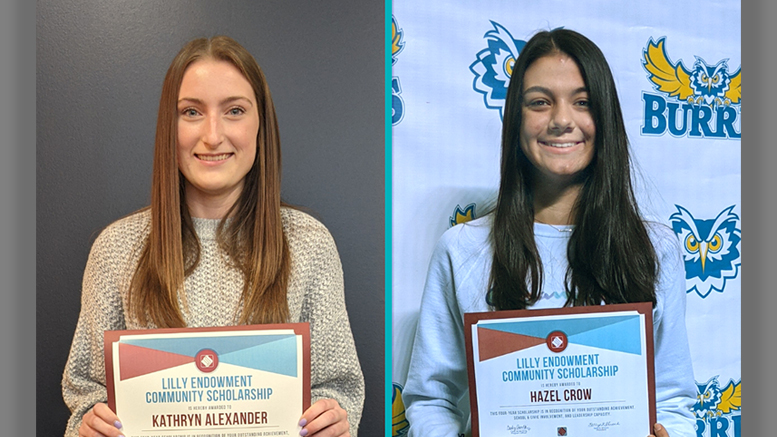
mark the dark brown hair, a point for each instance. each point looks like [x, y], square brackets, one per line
[611, 257]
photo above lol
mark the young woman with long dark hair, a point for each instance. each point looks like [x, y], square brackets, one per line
[565, 231]
[216, 247]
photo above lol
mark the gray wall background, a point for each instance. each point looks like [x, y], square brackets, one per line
[100, 67]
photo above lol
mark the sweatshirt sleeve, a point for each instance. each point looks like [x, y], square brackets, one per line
[437, 376]
[675, 385]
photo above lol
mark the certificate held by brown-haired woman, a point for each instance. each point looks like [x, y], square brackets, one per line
[248, 381]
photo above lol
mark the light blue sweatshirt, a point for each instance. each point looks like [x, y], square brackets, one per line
[456, 284]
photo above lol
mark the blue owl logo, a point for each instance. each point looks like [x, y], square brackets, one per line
[711, 85]
[713, 402]
[710, 249]
[494, 66]
[462, 215]
[397, 104]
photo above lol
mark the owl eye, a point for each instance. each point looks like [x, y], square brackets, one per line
[704, 77]
[716, 78]
[691, 244]
[509, 64]
[707, 395]
[716, 244]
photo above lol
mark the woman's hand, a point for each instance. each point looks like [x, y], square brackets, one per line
[100, 421]
[659, 431]
[325, 418]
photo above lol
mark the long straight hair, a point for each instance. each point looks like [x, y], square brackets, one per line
[611, 258]
[253, 237]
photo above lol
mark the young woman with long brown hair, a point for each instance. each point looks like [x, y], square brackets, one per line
[566, 231]
[216, 246]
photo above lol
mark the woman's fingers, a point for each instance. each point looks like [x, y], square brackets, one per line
[325, 418]
[100, 421]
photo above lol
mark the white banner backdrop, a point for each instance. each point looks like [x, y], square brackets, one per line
[449, 82]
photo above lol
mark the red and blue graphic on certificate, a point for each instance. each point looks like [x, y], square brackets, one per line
[581, 371]
[247, 381]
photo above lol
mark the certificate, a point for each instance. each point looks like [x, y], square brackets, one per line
[582, 371]
[237, 381]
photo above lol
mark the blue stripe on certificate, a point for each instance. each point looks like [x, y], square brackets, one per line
[270, 353]
[617, 333]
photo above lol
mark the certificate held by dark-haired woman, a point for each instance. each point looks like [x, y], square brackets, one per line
[579, 371]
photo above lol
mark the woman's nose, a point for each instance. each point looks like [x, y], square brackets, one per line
[213, 133]
[561, 118]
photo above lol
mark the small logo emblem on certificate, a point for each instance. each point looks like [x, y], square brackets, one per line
[557, 341]
[206, 360]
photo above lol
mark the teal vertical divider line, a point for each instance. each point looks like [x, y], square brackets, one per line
[387, 226]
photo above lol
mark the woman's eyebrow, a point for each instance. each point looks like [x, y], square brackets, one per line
[537, 89]
[224, 101]
[544, 90]
[235, 98]
[580, 90]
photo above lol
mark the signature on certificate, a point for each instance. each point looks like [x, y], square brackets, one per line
[603, 426]
[518, 429]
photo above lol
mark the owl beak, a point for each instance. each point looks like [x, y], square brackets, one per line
[703, 252]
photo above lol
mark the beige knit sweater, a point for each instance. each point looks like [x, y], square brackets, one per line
[213, 290]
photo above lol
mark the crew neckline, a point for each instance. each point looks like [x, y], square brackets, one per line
[553, 231]
[205, 228]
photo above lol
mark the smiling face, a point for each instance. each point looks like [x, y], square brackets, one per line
[557, 129]
[218, 123]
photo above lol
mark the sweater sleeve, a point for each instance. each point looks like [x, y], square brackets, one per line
[675, 385]
[83, 381]
[437, 376]
[335, 369]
